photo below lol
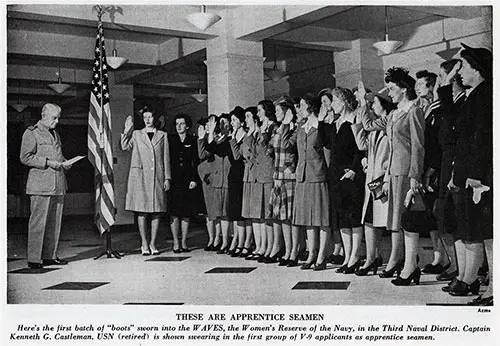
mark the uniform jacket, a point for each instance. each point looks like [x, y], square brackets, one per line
[474, 133]
[149, 168]
[245, 150]
[405, 134]
[38, 146]
[311, 164]
[184, 160]
[264, 155]
[218, 156]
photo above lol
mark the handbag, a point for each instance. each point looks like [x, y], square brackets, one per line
[375, 186]
[417, 217]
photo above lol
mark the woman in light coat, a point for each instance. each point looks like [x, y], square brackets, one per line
[149, 176]
[375, 210]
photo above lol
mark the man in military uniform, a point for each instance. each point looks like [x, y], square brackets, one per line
[46, 185]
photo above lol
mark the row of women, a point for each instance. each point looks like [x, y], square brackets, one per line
[334, 167]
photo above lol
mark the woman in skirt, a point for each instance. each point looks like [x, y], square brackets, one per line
[311, 201]
[281, 203]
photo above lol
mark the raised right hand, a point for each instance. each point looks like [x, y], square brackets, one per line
[201, 131]
[129, 124]
[453, 73]
[322, 113]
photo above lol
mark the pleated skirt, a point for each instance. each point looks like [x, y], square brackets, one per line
[255, 204]
[311, 205]
[281, 202]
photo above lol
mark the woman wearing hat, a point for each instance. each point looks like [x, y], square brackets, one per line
[405, 133]
[472, 175]
[149, 176]
[375, 205]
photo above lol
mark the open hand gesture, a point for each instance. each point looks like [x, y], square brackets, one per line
[129, 124]
[201, 132]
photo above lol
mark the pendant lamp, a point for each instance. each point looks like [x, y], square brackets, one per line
[200, 97]
[59, 87]
[114, 61]
[203, 20]
[275, 74]
[387, 46]
[449, 52]
[19, 107]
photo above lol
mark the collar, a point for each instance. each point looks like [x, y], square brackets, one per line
[312, 122]
[458, 96]
[406, 107]
[42, 126]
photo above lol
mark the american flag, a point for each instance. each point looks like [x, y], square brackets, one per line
[99, 138]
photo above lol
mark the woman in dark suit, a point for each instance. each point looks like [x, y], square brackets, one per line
[183, 192]
[473, 171]
[346, 176]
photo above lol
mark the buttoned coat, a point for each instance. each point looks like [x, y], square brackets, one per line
[149, 168]
[375, 143]
[246, 151]
[264, 155]
[405, 134]
[220, 165]
[311, 164]
[38, 146]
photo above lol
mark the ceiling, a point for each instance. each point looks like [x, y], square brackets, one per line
[152, 69]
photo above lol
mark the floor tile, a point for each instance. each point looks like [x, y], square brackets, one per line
[231, 270]
[15, 259]
[76, 286]
[32, 271]
[167, 259]
[153, 304]
[321, 285]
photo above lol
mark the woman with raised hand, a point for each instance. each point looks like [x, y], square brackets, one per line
[346, 176]
[149, 176]
[375, 205]
[405, 133]
[282, 194]
[311, 201]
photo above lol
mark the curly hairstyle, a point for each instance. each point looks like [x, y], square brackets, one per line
[326, 92]
[313, 103]
[255, 117]
[288, 104]
[186, 118]
[430, 77]
[156, 117]
[269, 110]
[402, 79]
[347, 97]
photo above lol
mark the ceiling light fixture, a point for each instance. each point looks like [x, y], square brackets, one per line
[200, 97]
[19, 107]
[275, 74]
[203, 20]
[449, 52]
[114, 61]
[387, 46]
[59, 87]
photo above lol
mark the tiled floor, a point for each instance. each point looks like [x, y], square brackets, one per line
[195, 278]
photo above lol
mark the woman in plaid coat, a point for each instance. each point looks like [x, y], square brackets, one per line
[281, 202]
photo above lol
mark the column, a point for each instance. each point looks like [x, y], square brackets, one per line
[361, 62]
[235, 73]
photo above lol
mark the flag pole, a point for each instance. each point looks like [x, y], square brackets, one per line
[109, 252]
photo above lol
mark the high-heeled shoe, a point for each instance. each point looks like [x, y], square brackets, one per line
[435, 268]
[244, 252]
[177, 250]
[414, 276]
[364, 271]
[307, 265]
[283, 262]
[341, 269]
[154, 250]
[320, 266]
[292, 263]
[230, 252]
[336, 259]
[145, 251]
[462, 289]
[389, 273]
[250, 256]
[209, 247]
[445, 276]
[237, 252]
[262, 259]
[223, 250]
[185, 249]
[216, 247]
[352, 269]
[480, 301]
[450, 285]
